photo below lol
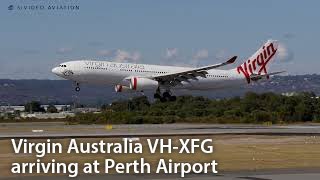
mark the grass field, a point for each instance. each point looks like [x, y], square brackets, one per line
[233, 153]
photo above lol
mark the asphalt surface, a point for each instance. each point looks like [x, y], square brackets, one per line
[60, 130]
[307, 174]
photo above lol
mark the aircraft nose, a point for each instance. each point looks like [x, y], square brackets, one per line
[55, 70]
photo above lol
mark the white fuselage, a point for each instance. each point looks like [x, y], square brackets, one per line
[112, 73]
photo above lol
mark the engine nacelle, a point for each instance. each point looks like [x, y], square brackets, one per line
[140, 84]
[121, 88]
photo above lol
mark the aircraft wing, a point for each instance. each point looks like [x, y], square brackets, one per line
[176, 78]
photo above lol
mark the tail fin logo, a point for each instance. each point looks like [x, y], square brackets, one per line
[257, 64]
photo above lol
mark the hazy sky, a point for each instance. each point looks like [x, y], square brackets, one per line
[174, 32]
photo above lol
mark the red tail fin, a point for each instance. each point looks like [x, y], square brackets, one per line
[259, 62]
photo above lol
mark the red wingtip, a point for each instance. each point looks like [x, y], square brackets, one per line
[232, 60]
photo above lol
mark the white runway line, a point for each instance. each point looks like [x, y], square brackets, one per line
[37, 130]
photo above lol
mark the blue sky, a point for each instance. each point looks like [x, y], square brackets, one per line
[174, 32]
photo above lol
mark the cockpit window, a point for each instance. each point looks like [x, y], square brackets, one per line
[63, 65]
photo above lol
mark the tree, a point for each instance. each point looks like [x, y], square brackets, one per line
[119, 106]
[34, 106]
[139, 103]
[249, 102]
[52, 109]
[261, 116]
[252, 108]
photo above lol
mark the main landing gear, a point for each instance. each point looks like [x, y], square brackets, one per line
[166, 96]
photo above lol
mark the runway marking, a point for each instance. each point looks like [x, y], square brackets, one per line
[57, 136]
[253, 178]
[37, 130]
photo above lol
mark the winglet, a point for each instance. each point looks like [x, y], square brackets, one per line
[232, 60]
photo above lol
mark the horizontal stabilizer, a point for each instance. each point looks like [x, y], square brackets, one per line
[255, 77]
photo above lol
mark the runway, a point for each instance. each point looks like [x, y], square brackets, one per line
[270, 151]
[292, 174]
[60, 130]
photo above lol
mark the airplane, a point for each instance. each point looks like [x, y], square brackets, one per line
[131, 77]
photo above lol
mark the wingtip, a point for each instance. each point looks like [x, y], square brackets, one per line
[232, 60]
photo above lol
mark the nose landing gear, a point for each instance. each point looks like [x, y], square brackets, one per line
[77, 89]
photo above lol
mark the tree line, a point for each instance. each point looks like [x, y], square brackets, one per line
[252, 108]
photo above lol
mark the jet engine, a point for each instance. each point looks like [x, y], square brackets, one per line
[140, 84]
[121, 88]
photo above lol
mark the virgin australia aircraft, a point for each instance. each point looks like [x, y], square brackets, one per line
[128, 77]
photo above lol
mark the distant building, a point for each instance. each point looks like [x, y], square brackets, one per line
[64, 111]
[59, 107]
[289, 94]
[86, 110]
[60, 115]
[11, 109]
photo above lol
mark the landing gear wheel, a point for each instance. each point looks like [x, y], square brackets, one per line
[163, 99]
[166, 95]
[157, 96]
[172, 98]
[77, 89]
